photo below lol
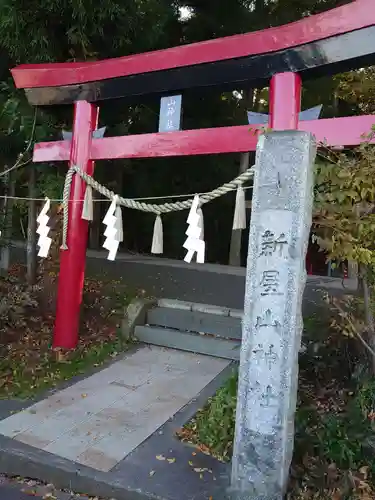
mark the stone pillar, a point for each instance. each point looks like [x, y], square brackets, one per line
[272, 324]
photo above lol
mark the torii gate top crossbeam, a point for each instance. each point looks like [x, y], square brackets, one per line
[336, 40]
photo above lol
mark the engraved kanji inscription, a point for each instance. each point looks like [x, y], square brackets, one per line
[268, 397]
[170, 124]
[266, 320]
[171, 107]
[270, 356]
[270, 243]
[270, 283]
[266, 353]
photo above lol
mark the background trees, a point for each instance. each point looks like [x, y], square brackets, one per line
[56, 30]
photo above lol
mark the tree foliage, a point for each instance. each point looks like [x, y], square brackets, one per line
[344, 216]
[58, 30]
[20, 127]
[358, 88]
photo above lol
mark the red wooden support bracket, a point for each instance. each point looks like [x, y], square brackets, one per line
[72, 261]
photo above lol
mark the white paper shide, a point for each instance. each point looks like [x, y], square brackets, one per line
[44, 242]
[194, 243]
[113, 232]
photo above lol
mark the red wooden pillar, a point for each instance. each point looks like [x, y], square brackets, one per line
[72, 261]
[285, 101]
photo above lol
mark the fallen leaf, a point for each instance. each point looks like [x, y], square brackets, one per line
[29, 492]
[364, 470]
[152, 472]
[160, 458]
[171, 460]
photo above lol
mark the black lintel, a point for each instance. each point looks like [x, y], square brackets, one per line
[326, 57]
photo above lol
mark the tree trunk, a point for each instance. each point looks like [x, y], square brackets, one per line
[49, 267]
[251, 102]
[7, 225]
[120, 174]
[94, 230]
[31, 229]
[369, 315]
[236, 238]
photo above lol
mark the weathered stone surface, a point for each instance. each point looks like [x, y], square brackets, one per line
[134, 315]
[272, 323]
[191, 342]
[175, 304]
[210, 309]
[196, 322]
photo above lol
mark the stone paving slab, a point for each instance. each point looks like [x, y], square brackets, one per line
[100, 420]
[141, 475]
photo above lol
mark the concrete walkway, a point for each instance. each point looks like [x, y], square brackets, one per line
[100, 420]
[9, 493]
[17, 492]
[26, 489]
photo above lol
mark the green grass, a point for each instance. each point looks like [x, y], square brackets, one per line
[26, 383]
[342, 438]
[334, 424]
[213, 426]
[29, 365]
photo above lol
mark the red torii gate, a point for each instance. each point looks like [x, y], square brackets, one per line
[334, 41]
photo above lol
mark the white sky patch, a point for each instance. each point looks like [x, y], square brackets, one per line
[185, 13]
[237, 95]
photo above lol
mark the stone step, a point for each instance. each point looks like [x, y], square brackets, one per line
[192, 342]
[195, 321]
